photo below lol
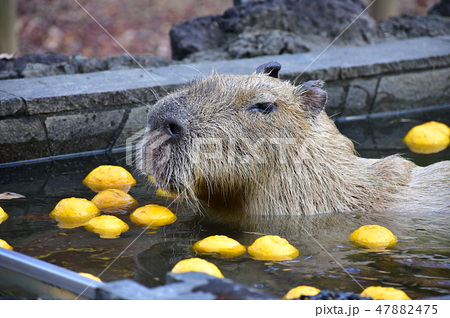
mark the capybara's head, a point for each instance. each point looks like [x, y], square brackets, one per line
[228, 139]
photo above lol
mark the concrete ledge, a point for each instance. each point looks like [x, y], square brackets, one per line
[83, 112]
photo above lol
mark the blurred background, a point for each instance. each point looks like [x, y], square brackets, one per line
[141, 26]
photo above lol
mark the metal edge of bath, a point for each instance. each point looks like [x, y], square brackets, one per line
[45, 280]
[50, 282]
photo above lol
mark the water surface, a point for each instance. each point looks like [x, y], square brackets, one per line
[419, 263]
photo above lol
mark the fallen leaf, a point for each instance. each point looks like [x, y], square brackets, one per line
[6, 56]
[10, 195]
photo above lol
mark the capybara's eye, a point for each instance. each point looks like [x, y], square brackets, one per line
[263, 108]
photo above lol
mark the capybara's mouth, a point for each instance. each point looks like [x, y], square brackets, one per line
[161, 160]
[152, 153]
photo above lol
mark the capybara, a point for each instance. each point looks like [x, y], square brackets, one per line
[257, 145]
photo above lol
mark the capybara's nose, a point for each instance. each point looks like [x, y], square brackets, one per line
[167, 125]
[172, 128]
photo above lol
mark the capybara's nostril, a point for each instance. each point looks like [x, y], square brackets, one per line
[173, 129]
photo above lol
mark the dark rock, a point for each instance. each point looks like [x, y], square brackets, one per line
[40, 70]
[195, 35]
[50, 64]
[258, 27]
[182, 286]
[329, 294]
[412, 26]
[7, 70]
[271, 42]
[218, 287]
[270, 27]
[46, 59]
[324, 18]
[31, 64]
[121, 62]
[441, 8]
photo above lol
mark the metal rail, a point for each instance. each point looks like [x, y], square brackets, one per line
[45, 280]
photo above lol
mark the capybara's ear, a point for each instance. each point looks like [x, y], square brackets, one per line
[312, 95]
[271, 69]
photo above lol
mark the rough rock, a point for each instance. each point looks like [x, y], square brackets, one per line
[182, 286]
[441, 8]
[259, 27]
[412, 26]
[49, 64]
[195, 35]
[270, 42]
[13, 67]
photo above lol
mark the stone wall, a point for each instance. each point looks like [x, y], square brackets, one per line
[66, 114]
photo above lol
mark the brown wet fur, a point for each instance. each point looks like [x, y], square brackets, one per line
[292, 161]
